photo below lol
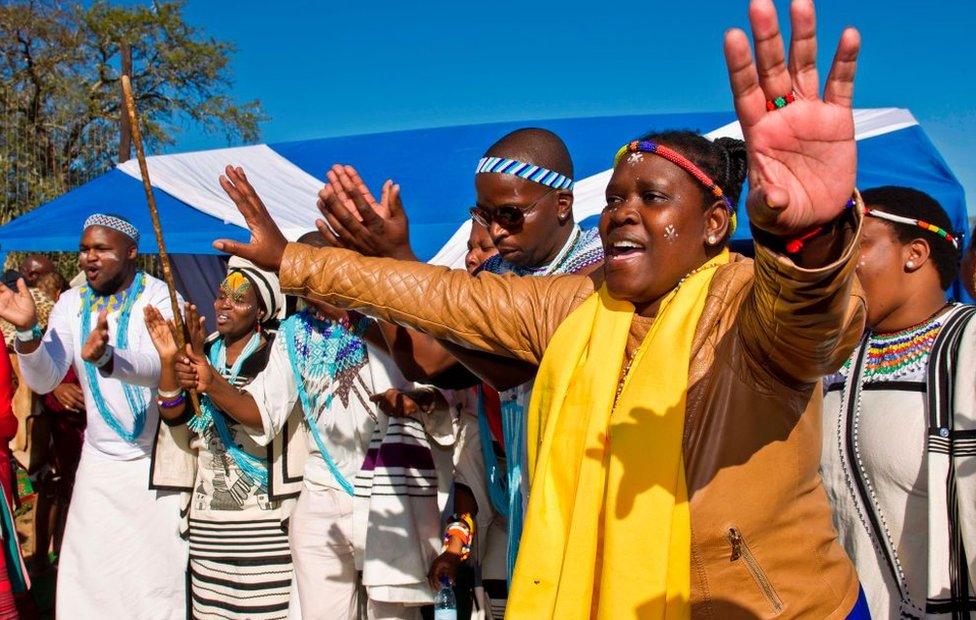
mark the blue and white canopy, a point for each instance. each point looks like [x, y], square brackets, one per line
[435, 168]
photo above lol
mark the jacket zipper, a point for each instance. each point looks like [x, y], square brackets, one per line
[740, 550]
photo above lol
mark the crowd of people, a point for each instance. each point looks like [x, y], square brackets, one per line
[623, 421]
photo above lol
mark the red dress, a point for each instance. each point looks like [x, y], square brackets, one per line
[8, 428]
[67, 433]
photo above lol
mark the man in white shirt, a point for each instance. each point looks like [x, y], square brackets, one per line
[122, 555]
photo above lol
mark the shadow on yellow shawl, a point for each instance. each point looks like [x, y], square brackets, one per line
[607, 533]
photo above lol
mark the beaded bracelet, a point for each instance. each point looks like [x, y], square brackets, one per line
[105, 358]
[170, 404]
[168, 394]
[795, 245]
[460, 528]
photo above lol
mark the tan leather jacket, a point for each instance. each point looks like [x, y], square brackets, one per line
[763, 544]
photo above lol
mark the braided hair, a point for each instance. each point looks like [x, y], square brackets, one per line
[723, 159]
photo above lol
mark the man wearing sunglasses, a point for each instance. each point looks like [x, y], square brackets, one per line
[525, 199]
[524, 186]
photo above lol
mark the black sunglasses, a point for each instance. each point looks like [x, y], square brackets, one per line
[507, 216]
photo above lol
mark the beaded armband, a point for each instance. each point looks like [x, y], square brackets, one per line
[172, 402]
[795, 245]
[461, 528]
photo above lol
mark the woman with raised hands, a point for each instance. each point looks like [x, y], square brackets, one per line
[240, 563]
[675, 428]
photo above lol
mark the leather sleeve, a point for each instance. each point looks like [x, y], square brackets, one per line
[801, 324]
[504, 314]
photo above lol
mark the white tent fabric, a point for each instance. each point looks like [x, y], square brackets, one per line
[288, 192]
[589, 197]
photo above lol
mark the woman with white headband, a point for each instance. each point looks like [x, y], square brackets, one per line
[899, 442]
[236, 521]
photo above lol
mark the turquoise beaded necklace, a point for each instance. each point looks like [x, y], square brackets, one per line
[320, 350]
[251, 466]
[135, 396]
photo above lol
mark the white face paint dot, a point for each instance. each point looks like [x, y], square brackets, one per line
[670, 233]
[635, 157]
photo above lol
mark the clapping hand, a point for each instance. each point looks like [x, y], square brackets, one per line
[196, 326]
[802, 157]
[94, 348]
[162, 333]
[17, 306]
[355, 221]
[192, 367]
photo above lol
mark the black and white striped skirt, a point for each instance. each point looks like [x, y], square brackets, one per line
[239, 569]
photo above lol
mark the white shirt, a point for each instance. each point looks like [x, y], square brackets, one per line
[345, 428]
[44, 369]
[888, 426]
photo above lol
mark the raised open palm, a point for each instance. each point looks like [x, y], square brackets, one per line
[802, 157]
[162, 333]
[267, 244]
[17, 307]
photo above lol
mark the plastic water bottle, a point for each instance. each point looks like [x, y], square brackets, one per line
[445, 605]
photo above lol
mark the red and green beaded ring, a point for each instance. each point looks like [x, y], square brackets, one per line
[676, 158]
[780, 102]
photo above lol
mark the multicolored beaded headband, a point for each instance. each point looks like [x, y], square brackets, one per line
[530, 172]
[113, 222]
[914, 222]
[676, 158]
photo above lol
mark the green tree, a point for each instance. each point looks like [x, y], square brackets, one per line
[60, 91]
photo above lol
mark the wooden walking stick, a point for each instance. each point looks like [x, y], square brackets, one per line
[181, 331]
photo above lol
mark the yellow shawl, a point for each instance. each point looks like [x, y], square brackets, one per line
[607, 533]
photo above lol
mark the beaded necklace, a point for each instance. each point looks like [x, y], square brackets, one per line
[904, 352]
[135, 396]
[218, 359]
[251, 466]
[582, 249]
[322, 353]
[625, 374]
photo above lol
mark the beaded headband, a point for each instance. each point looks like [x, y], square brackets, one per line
[914, 222]
[529, 172]
[676, 158]
[235, 285]
[113, 222]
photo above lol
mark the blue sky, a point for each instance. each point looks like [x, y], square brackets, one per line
[325, 69]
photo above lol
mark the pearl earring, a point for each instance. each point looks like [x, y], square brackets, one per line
[910, 264]
[711, 240]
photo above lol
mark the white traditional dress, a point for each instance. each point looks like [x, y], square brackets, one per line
[335, 388]
[240, 563]
[122, 555]
[898, 465]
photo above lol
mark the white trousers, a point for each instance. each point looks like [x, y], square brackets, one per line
[122, 555]
[326, 585]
